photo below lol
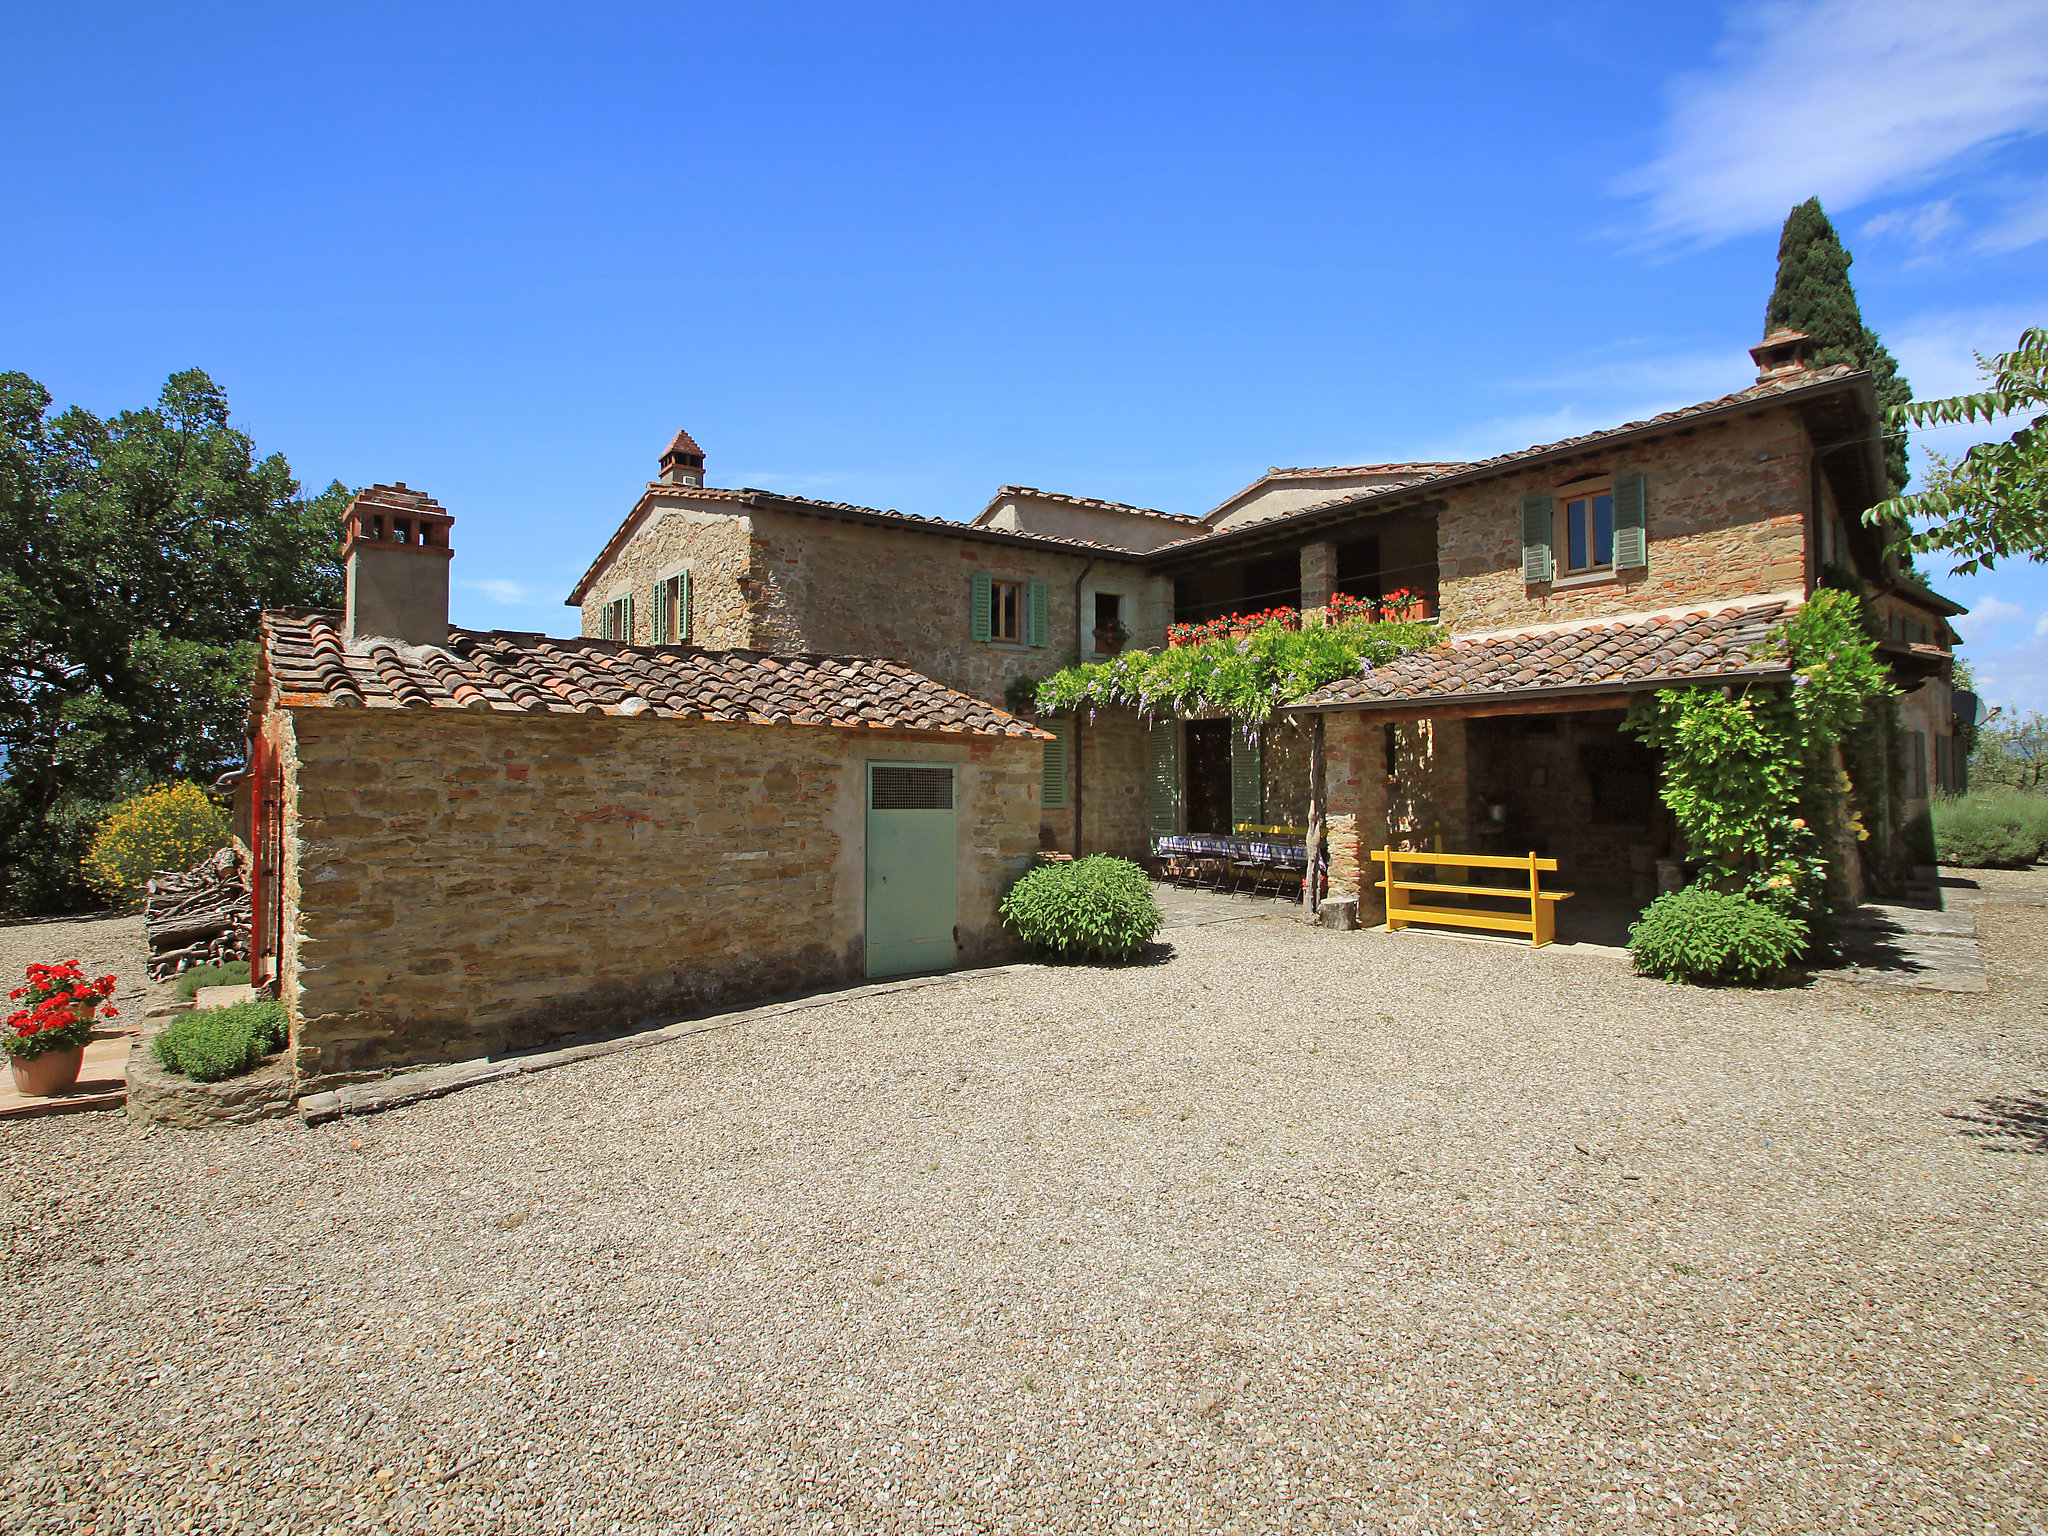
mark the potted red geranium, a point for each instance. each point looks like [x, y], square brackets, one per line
[45, 1039]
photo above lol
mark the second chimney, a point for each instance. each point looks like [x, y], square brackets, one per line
[396, 553]
[1782, 353]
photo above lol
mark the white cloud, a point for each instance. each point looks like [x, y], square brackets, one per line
[511, 594]
[1987, 613]
[1922, 225]
[1846, 99]
[2025, 223]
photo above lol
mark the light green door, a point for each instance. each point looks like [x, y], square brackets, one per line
[913, 862]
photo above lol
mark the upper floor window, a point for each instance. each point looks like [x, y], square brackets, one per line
[616, 621]
[1585, 529]
[672, 609]
[1588, 529]
[1006, 611]
[1009, 612]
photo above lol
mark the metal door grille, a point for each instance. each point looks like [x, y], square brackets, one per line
[910, 789]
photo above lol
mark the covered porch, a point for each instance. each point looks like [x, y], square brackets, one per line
[1508, 747]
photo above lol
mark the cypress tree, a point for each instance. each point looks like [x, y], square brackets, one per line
[1814, 295]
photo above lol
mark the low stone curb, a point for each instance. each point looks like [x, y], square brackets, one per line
[438, 1082]
[157, 1096]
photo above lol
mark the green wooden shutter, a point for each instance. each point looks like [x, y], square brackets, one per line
[1038, 624]
[1247, 793]
[1053, 784]
[686, 620]
[654, 616]
[1162, 758]
[980, 602]
[1631, 525]
[628, 635]
[1536, 563]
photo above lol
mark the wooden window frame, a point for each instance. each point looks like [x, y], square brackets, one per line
[1008, 595]
[1561, 530]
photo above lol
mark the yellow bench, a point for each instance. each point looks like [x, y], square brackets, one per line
[1540, 925]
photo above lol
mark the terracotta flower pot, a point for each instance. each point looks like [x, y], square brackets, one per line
[52, 1072]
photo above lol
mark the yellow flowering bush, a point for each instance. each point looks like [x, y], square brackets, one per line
[172, 826]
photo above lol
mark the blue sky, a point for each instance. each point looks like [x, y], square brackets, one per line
[899, 255]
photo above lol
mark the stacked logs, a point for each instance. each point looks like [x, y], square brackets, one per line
[199, 917]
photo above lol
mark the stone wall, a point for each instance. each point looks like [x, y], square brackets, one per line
[1727, 503]
[1115, 804]
[714, 547]
[857, 589]
[458, 884]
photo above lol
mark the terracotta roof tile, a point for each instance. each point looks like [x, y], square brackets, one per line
[772, 501]
[1065, 500]
[509, 673]
[1758, 393]
[1629, 653]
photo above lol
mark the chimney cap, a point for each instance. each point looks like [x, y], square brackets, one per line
[683, 461]
[397, 517]
[1784, 351]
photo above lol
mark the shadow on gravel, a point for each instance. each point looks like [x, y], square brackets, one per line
[2008, 1125]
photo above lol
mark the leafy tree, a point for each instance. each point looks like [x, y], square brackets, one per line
[135, 555]
[1993, 502]
[1814, 295]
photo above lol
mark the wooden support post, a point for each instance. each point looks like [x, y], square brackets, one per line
[1542, 914]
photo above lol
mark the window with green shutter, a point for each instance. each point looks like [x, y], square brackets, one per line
[1537, 566]
[686, 608]
[1247, 786]
[1631, 524]
[1162, 769]
[616, 622]
[671, 622]
[1038, 614]
[979, 604]
[1053, 782]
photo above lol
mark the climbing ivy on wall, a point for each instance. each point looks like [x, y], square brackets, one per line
[1247, 677]
[1752, 774]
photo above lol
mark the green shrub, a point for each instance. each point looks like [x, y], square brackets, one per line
[234, 973]
[1709, 937]
[1097, 908]
[1994, 829]
[216, 1043]
[172, 826]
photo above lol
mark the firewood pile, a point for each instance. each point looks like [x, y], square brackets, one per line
[199, 917]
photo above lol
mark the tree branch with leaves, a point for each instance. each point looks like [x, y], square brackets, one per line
[1992, 503]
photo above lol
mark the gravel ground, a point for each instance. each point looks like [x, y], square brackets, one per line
[104, 944]
[1297, 1231]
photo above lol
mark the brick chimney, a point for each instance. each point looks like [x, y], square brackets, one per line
[396, 554]
[1781, 354]
[683, 464]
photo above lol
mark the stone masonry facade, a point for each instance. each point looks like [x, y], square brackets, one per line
[461, 883]
[1727, 506]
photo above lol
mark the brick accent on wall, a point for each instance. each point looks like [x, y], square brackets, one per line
[1318, 574]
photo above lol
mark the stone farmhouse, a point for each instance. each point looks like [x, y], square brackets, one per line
[471, 841]
[787, 750]
[1569, 576]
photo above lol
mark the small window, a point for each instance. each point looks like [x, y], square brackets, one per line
[1006, 611]
[617, 622]
[672, 610]
[1586, 526]
[1109, 610]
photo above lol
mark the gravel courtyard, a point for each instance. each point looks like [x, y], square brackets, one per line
[1297, 1231]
